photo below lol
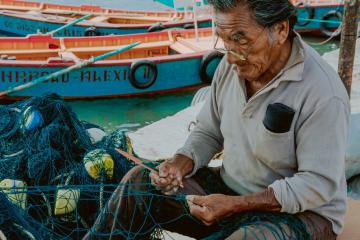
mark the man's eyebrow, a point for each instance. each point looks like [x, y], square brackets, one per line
[241, 33]
[237, 32]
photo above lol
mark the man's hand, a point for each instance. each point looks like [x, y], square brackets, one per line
[210, 209]
[171, 173]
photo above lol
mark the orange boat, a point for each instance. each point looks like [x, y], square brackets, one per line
[163, 62]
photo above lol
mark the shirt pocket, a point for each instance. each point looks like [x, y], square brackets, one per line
[275, 149]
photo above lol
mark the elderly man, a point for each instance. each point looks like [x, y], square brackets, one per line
[280, 114]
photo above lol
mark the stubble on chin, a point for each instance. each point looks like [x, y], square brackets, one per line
[243, 75]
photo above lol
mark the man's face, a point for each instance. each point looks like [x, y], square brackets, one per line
[241, 34]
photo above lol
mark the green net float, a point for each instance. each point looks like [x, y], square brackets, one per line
[98, 164]
[15, 191]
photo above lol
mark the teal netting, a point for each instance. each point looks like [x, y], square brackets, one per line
[43, 172]
[55, 181]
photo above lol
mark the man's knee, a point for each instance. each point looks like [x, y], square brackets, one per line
[317, 227]
[263, 231]
[133, 180]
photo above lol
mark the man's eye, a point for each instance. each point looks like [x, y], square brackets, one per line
[238, 38]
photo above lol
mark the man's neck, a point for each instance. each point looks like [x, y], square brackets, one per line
[279, 62]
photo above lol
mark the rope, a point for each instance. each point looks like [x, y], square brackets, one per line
[333, 35]
[321, 21]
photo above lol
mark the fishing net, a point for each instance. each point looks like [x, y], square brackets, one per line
[55, 179]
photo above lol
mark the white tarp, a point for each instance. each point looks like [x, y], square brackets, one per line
[161, 139]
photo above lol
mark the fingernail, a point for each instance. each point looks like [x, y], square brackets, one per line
[189, 198]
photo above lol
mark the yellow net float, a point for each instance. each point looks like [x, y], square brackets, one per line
[99, 164]
[66, 200]
[15, 191]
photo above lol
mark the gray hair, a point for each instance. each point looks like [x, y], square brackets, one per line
[266, 12]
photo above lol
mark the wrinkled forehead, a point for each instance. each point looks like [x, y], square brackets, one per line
[239, 19]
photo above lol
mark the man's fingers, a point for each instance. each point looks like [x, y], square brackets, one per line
[164, 170]
[155, 184]
[179, 178]
[164, 181]
[175, 183]
[202, 213]
[167, 188]
[169, 178]
[158, 181]
[154, 177]
[208, 223]
[170, 188]
[198, 200]
[171, 191]
[197, 211]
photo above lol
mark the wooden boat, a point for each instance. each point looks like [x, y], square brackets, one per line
[163, 62]
[23, 18]
[50, 8]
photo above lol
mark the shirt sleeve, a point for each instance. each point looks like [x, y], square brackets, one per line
[206, 139]
[321, 147]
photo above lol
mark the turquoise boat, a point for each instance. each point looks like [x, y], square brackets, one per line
[163, 62]
[23, 18]
[321, 17]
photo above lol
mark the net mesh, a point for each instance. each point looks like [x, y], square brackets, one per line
[55, 180]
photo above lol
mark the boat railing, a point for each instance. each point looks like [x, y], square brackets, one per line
[146, 49]
[83, 9]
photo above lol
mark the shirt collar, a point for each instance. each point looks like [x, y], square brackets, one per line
[294, 68]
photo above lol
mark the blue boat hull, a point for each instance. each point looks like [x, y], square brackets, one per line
[23, 27]
[101, 80]
[312, 19]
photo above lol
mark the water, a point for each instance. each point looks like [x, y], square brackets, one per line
[132, 113]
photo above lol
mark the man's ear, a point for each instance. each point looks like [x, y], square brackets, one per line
[280, 31]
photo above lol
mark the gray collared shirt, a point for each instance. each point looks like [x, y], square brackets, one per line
[305, 165]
